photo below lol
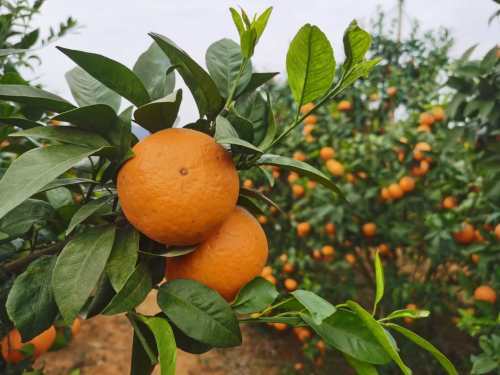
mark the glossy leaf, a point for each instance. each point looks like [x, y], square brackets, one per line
[310, 65]
[255, 296]
[188, 344]
[35, 97]
[110, 73]
[200, 312]
[423, 343]
[361, 368]
[121, 262]
[202, 87]
[133, 292]
[87, 210]
[407, 313]
[379, 280]
[140, 364]
[270, 126]
[64, 134]
[243, 126]
[151, 67]
[224, 59]
[22, 218]
[30, 304]
[103, 295]
[356, 44]
[318, 308]
[87, 90]
[256, 81]
[34, 169]
[66, 182]
[242, 145]
[159, 114]
[79, 267]
[224, 129]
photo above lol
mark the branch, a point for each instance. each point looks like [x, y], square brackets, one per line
[18, 265]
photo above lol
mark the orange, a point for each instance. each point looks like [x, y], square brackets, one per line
[344, 106]
[413, 307]
[308, 107]
[271, 279]
[350, 178]
[311, 184]
[316, 254]
[421, 169]
[369, 229]
[299, 155]
[308, 129]
[248, 183]
[298, 191]
[292, 177]
[330, 229]
[303, 229]
[298, 366]
[395, 191]
[466, 235]
[449, 202]
[327, 250]
[283, 257]
[426, 118]
[424, 129]
[384, 194]
[75, 327]
[384, 249]
[423, 146]
[288, 268]
[391, 91]
[5, 143]
[12, 344]
[475, 258]
[350, 258]
[217, 264]
[179, 187]
[326, 153]
[266, 271]
[302, 333]
[262, 219]
[334, 167]
[321, 346]
[485, 293]
[310, 139]
[497, 232]
[478, 237]
[438, 113]
[311, 120]
[280, 326]
[407, 184]
[362, 175]
[290, 284]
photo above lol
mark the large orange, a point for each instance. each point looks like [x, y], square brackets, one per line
[230, 257]
[485, 293]
[395, 191]
[179, 186]
[12, 344]
[407, 184]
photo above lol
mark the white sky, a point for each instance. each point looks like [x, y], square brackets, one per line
[119, 28]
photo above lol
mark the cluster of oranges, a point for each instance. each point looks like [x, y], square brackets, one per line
[189, 199]
[427, 119]
[397, 190]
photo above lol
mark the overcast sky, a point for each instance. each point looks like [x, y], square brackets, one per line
[119, 28]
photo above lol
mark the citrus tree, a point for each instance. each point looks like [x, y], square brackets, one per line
[167, 212]
[413, 184]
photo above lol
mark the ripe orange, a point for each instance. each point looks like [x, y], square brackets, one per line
[308, 107]
[449, 202]
[466, 235]
[369, 229]
[410, 306]
[316, 254]
[291, 284]
[384, 249]
[271, 279]
[75, 327]
[215, 262]
[308, 129]
[423, 146]
[303, 229]
[12, 344]
[292, 177]
[426, 118]
[485, 293]
[326, 153]
[328, 250]
[288, 268]
[438, 113]
[334, 167]
[310, 139]
[283, 258]
[407, 184]
[262, 219]
[298, 191]
[421, 169]
[299, 155]
[298, 366]
[330, 229]
[391, 91]
[266, 271]
[395, 191]
[344, 106]
[311, 120]
[5, 143]
[248, 183]
[311, 184]
[350, 178]
[475, 258]
[478, 237]
[497, 232]
[384, 194]
[321, 346]
[424, 129]
[350, 258]
[280, 326]
[179, 186]
[302, 333]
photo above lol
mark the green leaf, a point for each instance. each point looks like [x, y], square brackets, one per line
[66, 182]
[87, 210]
[20, 122]
[188, 344]
[310, 65]
[35, 97]
[151, 68]
[34, 169]
[200, 312]
[319, 308]
[165, 342]
[358, 71]
[445, 362]
[242, 146]
[30, 304]
[256, 81]
[250, 205]
[243, 126]
[202, 87]
[87, 90]
[299, 167]
[78, 269]
[379, 279]
[64, 134]
[362, 368]
[60, 197]
[140, 364]
[110, 73]
[356, 44]
[224, 59]
[98, 118]
[103, 295]
[380, 334]
[121, 262]
[347, 333]
[160, 114]
[407, 313]
[270, 125]
[484, 364]
[248, 40]
[238, 22]
[224, 129]
[255, 296]
[22, 218]
[261, 22]
[135, 290]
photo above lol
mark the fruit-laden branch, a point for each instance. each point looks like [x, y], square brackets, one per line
[18, 265]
